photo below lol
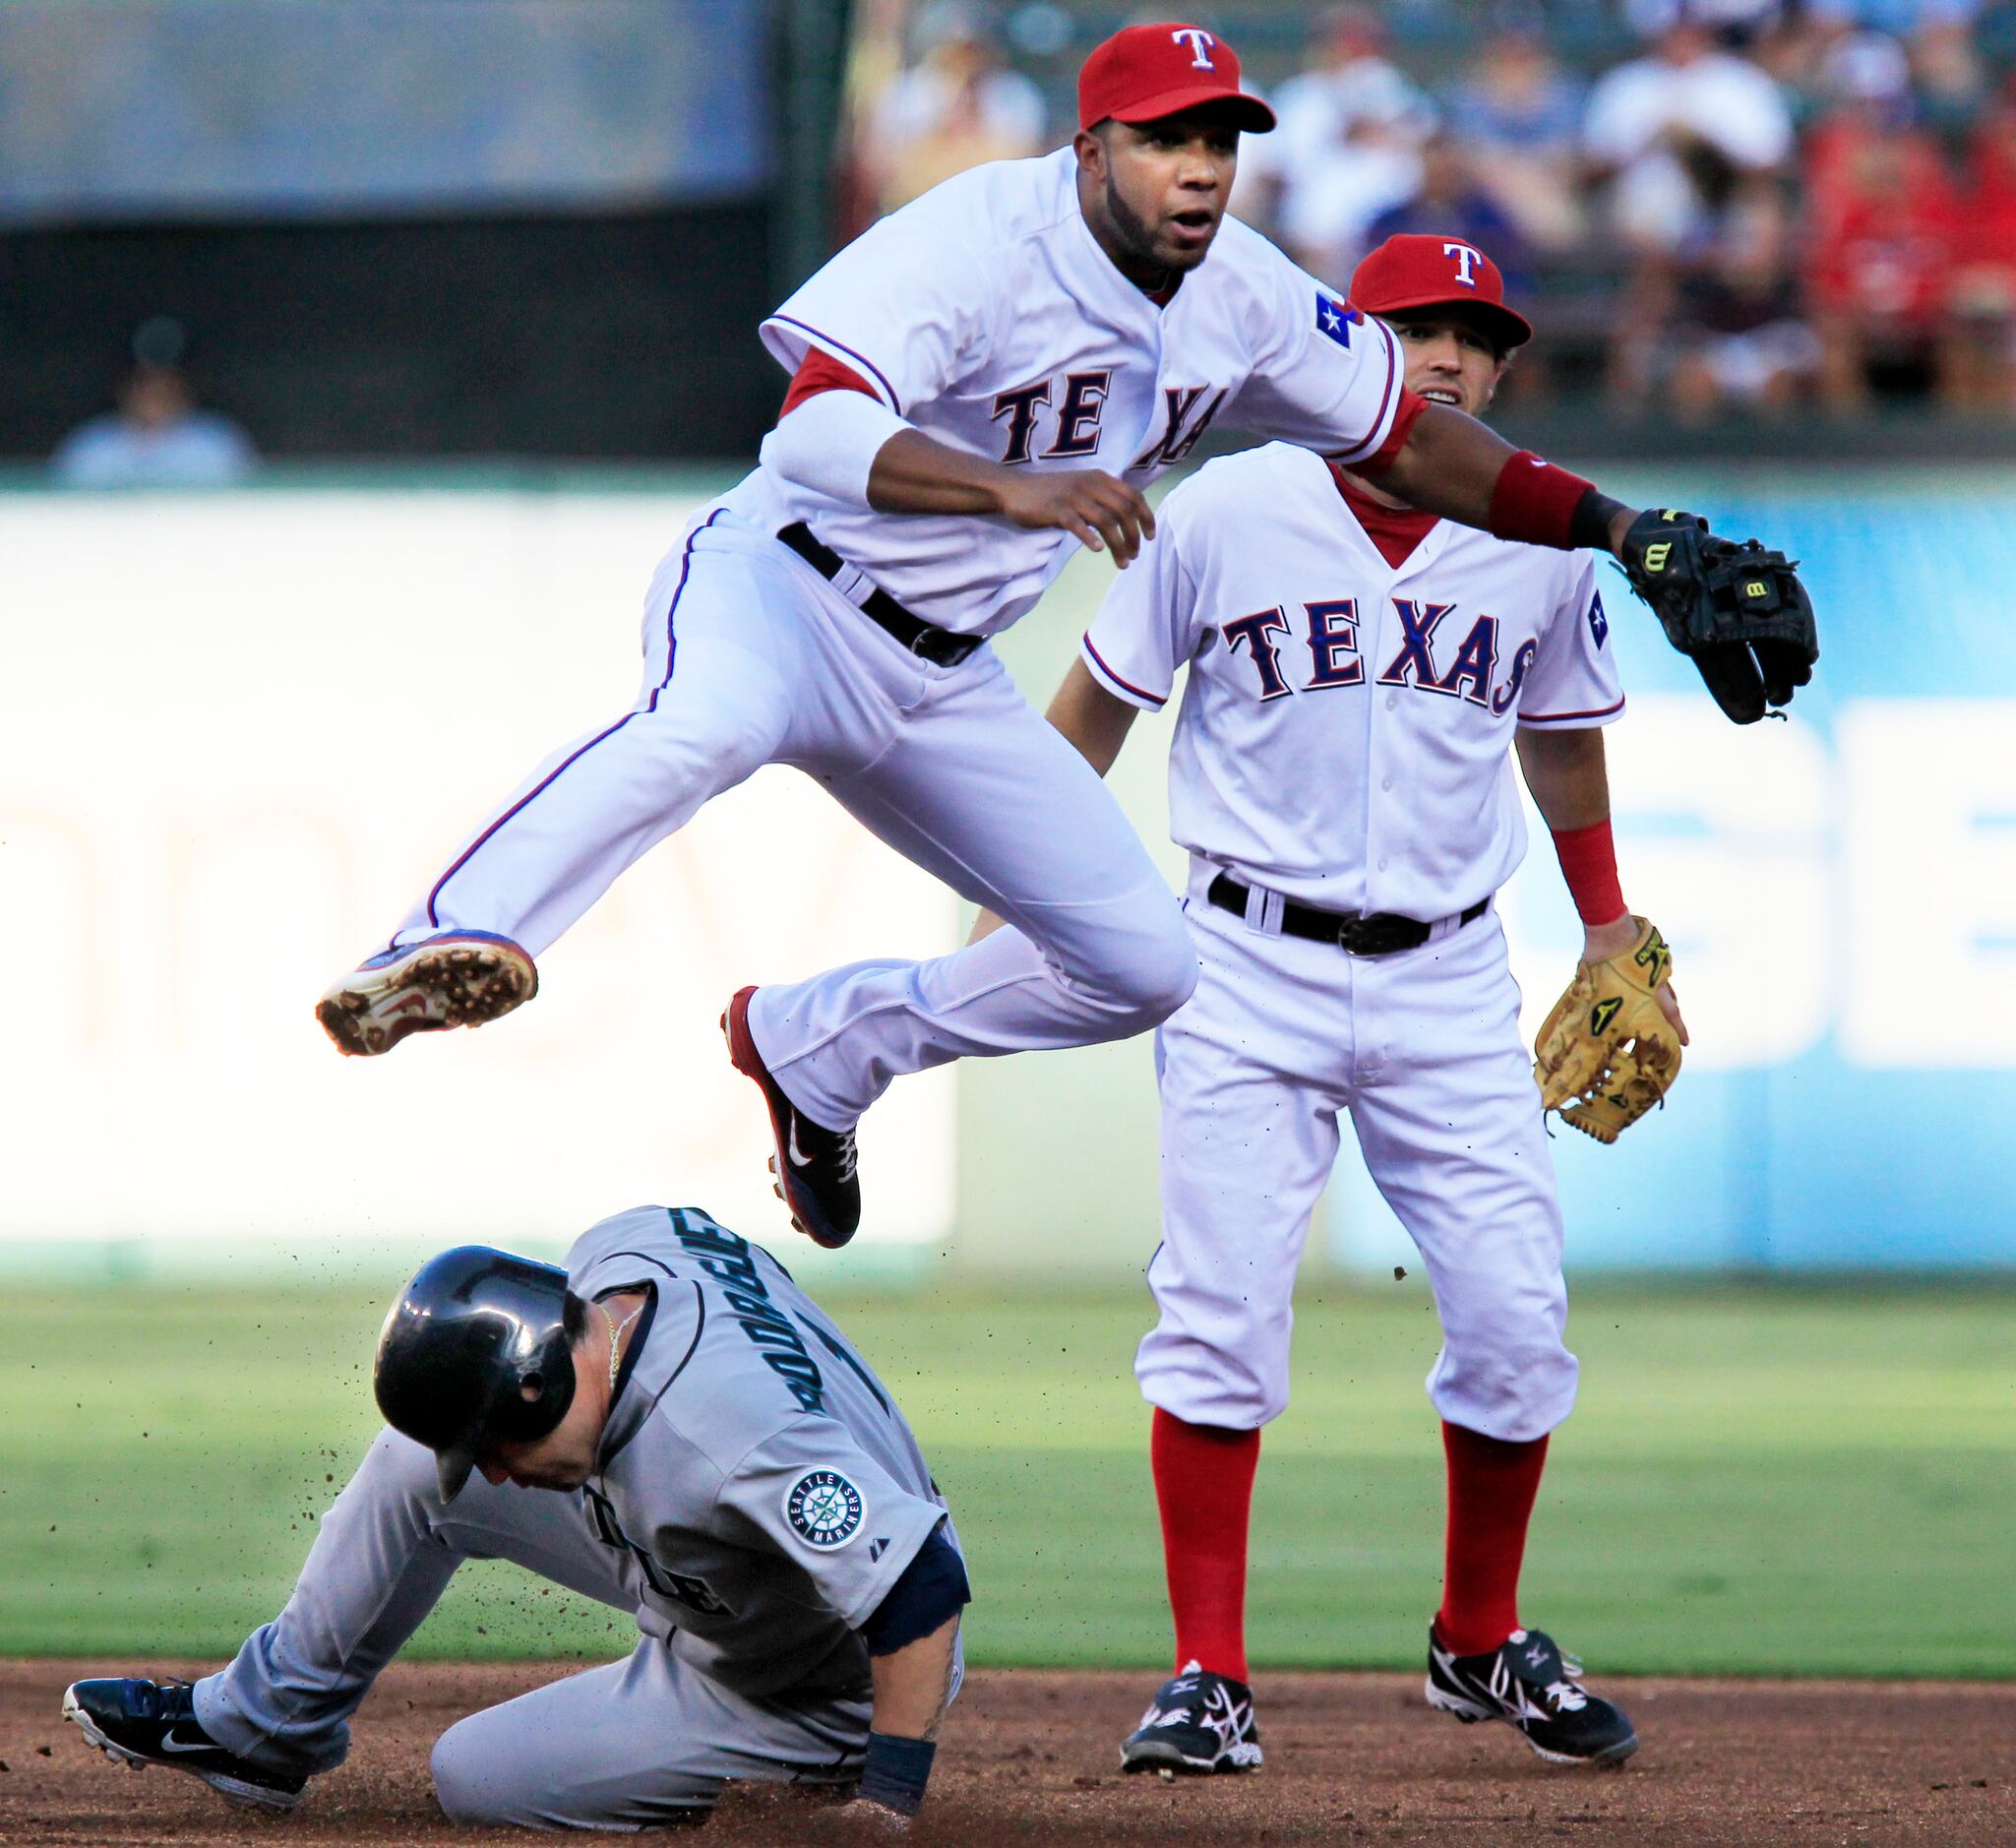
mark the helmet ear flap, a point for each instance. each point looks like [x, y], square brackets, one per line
[469, 1335]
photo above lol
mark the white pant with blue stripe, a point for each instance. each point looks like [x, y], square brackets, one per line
[750, 658]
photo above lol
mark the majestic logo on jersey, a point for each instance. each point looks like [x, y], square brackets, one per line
[1199, 42]
[1335, 318]
[1467, 259]
[824, 1508]
[1330, 630]
[1598, 623]
[1081, 405]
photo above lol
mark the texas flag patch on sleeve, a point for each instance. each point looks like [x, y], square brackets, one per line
[1335, 318]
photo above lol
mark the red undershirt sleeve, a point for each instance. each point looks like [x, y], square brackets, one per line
[821, 372]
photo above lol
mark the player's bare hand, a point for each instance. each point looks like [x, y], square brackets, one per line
[1102, 513]
[1669, 1005]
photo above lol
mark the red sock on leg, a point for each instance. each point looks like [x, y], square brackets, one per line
[1204, 1487]
[1491, 1485]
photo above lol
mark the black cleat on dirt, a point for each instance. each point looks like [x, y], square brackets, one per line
[141, 1722]
[1528, 1683]
[814, 1166]
[1198, 1723]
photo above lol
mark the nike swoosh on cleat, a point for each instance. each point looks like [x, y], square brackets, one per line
[168, 1743]
[799, 1158]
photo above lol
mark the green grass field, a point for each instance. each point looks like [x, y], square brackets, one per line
[1759, 1481]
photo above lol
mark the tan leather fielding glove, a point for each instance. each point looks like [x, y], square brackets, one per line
[1607, 1053]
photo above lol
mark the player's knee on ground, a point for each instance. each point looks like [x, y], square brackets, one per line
[462, 1781]
[477, 1784]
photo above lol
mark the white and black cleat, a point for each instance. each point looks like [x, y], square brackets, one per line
[139, 1723]
[1528, 1683]
[459, 978]
[1198, 1725]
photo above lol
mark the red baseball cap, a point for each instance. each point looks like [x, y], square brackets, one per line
[1428, 271]
[1146, 72]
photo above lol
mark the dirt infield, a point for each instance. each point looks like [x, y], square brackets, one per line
[1028, 1758]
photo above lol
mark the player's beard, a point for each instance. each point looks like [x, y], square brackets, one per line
[1139, 259]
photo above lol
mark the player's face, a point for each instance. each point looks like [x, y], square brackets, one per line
[1157, 190]
[1449, 362]
[563, 1458]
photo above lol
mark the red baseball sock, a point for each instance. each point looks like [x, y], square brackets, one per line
[1491, 1485]
[1204, 1488]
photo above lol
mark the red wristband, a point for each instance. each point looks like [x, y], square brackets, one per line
[1534, 503]
[1588, 864]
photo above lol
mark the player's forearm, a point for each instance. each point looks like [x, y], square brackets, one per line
[1566, 774]
[1453, 465]
[914, 474]
[913, 1685]
[1092, 720]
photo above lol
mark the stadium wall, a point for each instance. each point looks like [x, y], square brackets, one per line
[243, 729]
[591, 333]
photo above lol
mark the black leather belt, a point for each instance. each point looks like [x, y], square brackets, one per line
[940, 646]
[1378, 934]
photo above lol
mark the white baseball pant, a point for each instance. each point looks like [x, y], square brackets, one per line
[751, 657]
[1423, 1049]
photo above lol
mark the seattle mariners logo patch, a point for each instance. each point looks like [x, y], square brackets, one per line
[824, 1508]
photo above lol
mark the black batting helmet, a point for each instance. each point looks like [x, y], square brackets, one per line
[477, 1346]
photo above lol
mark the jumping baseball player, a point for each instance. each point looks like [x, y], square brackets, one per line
[716, 1459]
[982, 381]
[1339, 772]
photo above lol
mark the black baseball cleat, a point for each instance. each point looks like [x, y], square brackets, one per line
[459, 978]
[814, 1166]
[141, 1722]
[1528, 1683]
[1199, 1724]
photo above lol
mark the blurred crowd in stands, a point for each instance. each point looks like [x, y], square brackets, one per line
[1711, 206]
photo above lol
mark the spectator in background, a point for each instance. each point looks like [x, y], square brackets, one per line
[1983, 292]
[1518, 113]
[157, 436]
[1349, 144]
[955, 107]
[1884, 224]
[1739, 338]
[1450, 202]
[1676, 132]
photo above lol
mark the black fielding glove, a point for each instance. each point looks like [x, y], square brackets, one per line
[1738, 612]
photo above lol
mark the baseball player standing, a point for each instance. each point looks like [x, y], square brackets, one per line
[980, 381]
[1340, 775]
[717, 1462]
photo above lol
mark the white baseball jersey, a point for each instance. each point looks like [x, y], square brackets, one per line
[986, 314]
[1344, 736]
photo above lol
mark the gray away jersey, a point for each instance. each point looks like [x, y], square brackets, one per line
[759, 1474]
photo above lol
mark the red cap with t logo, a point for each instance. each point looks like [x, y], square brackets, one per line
[1424, 272]
[1146, 72]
